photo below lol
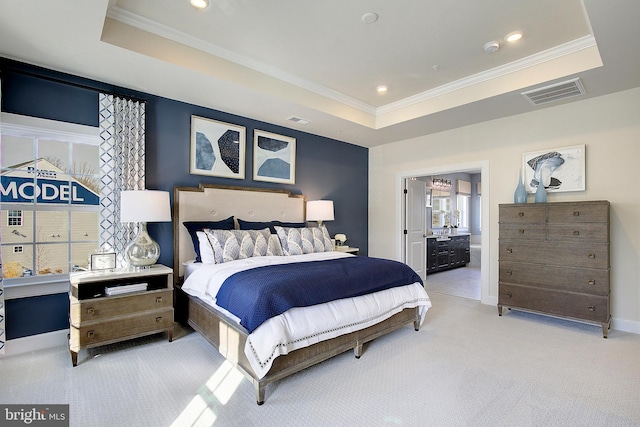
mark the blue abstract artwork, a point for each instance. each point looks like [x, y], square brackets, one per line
[217, 148]
[274, 158]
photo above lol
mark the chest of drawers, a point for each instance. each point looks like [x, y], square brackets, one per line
[102, 312]
[554, 259]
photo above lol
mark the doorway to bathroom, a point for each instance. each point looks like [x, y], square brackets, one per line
[454, 208]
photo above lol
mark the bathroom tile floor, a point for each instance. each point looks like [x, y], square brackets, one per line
[461, 282]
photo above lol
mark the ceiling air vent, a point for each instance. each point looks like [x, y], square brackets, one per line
[555, 92]
[298, 120]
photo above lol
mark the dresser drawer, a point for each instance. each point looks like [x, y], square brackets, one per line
[591, 308]
[105, 308]
[578, 212]
[97, 333]
[523, 231]
[520, 214]
[584, 280]
[579, 232]
[555, 253]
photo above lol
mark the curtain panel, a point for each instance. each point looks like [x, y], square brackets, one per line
[122, 167]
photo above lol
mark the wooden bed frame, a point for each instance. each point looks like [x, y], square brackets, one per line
[215, 203]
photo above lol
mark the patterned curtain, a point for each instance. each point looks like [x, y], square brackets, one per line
[122, 166]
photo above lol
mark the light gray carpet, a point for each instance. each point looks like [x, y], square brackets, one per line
[465, 367]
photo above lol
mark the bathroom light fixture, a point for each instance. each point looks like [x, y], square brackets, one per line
[199, 4]
[441, 183]
[513, 36]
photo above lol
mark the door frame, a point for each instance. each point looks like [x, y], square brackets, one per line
[483, 166]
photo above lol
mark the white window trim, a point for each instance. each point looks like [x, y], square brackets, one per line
[18, 125]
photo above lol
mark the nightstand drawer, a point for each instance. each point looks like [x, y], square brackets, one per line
[98, 333]
[104, 308]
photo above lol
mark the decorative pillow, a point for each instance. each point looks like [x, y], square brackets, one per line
[298, 241]
[194, 226]
[230, 245]
[206, 250]
[254, 225]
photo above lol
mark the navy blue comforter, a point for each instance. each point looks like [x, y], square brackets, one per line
[260, 293]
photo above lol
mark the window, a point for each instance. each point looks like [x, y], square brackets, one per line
[49, 195]
[462, 213]
[14, 219]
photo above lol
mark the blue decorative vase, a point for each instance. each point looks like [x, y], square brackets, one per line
[541, 194]
[520, 196]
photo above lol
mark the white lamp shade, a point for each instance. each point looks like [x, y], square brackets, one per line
[145, 206]
[320, 210]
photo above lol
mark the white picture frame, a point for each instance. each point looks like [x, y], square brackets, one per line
[562, 169]
[217, 148]
[274, 158]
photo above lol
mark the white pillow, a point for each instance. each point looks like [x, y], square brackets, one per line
[298, 241]
[206, 250]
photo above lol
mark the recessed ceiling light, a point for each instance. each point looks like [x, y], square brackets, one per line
[514, 36]
[381, 89]
[199, 4]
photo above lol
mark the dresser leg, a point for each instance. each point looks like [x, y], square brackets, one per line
[170, 334]
[74, 357]
[499, 310]
[605, 329]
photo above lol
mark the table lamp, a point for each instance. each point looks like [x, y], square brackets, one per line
[143, 206]
[320, 210]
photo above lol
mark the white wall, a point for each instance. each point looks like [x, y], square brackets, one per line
[609, 126]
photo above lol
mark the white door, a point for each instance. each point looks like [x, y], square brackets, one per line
[415, 226]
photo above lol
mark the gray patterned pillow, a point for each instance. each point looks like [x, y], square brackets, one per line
[230, 245]
[298, 241]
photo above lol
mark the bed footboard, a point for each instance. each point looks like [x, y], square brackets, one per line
[229, 339]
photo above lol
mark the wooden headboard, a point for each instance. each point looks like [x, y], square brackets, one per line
[215, 203]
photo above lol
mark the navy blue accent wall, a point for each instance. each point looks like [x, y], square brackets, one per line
[325, 168]
[34, 315]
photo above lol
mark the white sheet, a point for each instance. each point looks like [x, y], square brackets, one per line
[301, 327]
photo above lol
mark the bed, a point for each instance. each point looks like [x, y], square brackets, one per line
[251, 347]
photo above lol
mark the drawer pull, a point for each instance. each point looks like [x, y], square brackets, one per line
[591, 308]
[90, 334]
[592, 256]
[159, 300]
[509, 294]
[591, 282]
[509, 250]
[521, 214]
[576, 232]
[509, 272]
[521, 231]
[576, 213]
[91, 310]
[158, 319]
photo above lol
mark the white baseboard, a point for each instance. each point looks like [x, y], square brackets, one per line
[625, 325]
[36, 342]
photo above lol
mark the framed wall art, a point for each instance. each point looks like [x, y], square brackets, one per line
[560, 169]
[274, 158]
[217, 148]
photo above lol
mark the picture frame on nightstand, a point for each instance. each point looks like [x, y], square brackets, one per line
[102, 261]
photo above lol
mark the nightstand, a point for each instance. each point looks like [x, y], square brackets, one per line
[347, 249]
[117, 305]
